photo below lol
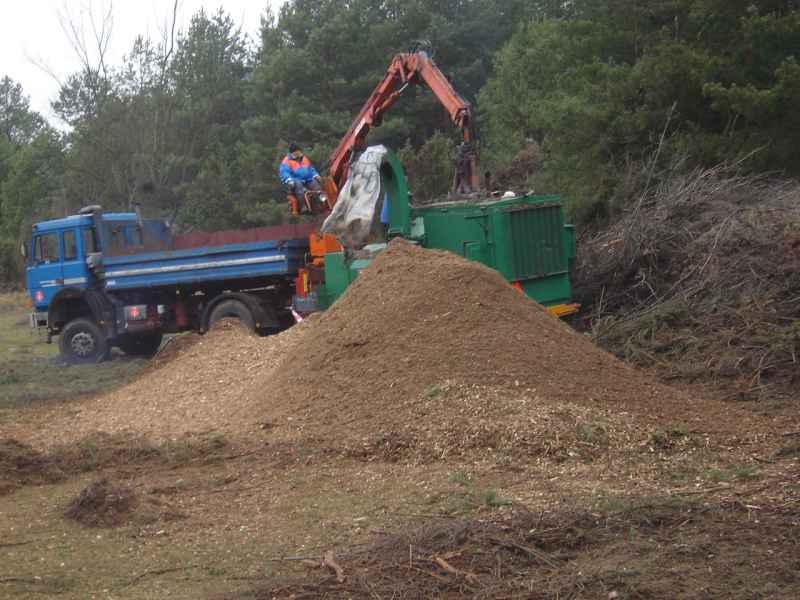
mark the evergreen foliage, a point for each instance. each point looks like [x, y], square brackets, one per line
[193, 128]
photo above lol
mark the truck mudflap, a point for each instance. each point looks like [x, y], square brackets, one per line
[104, 312]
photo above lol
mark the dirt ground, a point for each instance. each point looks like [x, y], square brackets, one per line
[435, 434]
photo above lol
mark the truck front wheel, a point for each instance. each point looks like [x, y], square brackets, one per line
[82, 342]
[140, 345]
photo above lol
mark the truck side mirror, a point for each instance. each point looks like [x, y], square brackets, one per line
[23, 249]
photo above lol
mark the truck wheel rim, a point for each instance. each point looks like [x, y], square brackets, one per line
[82, 344]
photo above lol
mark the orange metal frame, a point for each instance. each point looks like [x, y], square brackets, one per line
[406, 69]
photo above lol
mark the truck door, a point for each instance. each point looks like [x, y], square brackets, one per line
[73, 263]
[45, 274]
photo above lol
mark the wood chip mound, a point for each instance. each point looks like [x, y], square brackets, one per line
[202, 387]
[426, 351]
[418, 323]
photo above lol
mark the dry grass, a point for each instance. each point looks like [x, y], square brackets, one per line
[30, 372]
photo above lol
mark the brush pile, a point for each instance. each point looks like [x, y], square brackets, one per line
[102, 504]
[701, 278]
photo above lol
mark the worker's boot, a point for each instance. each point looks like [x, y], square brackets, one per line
[294, 205]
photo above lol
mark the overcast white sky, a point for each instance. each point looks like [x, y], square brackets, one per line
[30, 32]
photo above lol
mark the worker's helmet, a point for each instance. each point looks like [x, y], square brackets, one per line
[293, 147]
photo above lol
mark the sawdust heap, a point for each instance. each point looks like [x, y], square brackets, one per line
[429, 349]
[417, 318]
[199, 386]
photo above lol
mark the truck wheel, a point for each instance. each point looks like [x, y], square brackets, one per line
[232, 309]
[140, 345]
[82, 342]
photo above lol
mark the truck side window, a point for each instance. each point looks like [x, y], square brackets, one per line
[133, 236]
[46, 248]
[70, 245]
[117, 240]
[89, 243]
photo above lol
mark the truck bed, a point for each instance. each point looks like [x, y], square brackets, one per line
[269, 258]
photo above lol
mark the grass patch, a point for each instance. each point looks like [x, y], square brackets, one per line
[460, 478]
[469, 498]
[31, 372]
[735, 473]
[591, 433]
[102, 450]
[605, 501]
[188, 448]
[681, 476]
[475, 500]
[492, 499]
[435, 392]
[670, 436]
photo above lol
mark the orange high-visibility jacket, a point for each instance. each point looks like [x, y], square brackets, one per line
[301, 170]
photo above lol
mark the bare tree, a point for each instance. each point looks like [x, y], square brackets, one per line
[89, 36]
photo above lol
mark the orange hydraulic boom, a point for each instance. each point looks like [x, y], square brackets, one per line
[407, 69]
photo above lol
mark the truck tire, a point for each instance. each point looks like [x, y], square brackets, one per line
[232, 309]
[82, 342]
[141, 345]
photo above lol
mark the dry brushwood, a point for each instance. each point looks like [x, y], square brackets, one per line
[450, 557]
[102, 504]
[702, 279]
[564, 554]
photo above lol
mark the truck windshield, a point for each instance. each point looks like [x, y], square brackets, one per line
[45, 248]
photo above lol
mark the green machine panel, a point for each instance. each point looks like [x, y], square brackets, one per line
[524, 238]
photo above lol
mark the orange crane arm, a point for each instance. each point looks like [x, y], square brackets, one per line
[406, 69]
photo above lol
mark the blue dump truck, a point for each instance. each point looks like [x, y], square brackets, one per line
[101, 280]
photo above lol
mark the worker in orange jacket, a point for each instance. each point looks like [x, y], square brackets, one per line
[298, 175]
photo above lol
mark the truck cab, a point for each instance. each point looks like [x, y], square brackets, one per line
[64, 279]
[57, 260]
